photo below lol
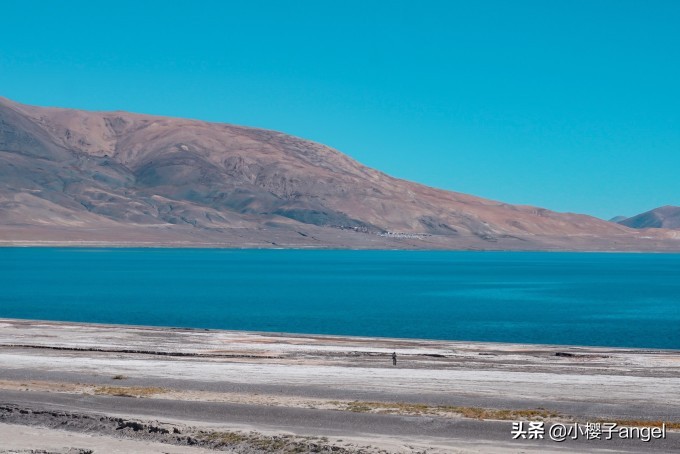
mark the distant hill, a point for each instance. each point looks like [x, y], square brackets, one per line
[618, 219]
[666, 217]
[116, 178]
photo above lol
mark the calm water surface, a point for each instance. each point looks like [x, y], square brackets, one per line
[630, 300]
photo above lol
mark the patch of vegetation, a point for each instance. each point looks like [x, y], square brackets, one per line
[504, 414]
[480, 413]
[359, 407]
[467, 412]
[129, 391]
[672, 425]
[283, 444]
[119, 377]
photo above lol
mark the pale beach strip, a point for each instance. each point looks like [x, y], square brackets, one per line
[328, 391]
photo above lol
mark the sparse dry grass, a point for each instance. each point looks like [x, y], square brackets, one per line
[673, 425]
[129, 391]
[421, 409]
[284, 444]
[225, 438]
[503, 414]
[480, 413]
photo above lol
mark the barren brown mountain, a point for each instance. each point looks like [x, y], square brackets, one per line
[666, 217]
[77, 177]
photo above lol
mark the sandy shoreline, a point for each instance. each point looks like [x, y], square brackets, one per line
[441, 396]
[393, 244]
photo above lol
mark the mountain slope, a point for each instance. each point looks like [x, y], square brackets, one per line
[69, 175]
[666, 217]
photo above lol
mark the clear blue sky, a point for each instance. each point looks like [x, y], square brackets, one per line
[571, 105]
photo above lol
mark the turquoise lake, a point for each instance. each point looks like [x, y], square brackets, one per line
[624, 300]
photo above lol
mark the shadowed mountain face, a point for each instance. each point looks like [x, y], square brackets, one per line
[667, 217]
[114, 177]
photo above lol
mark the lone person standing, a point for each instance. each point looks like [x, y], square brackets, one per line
[394, 358]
